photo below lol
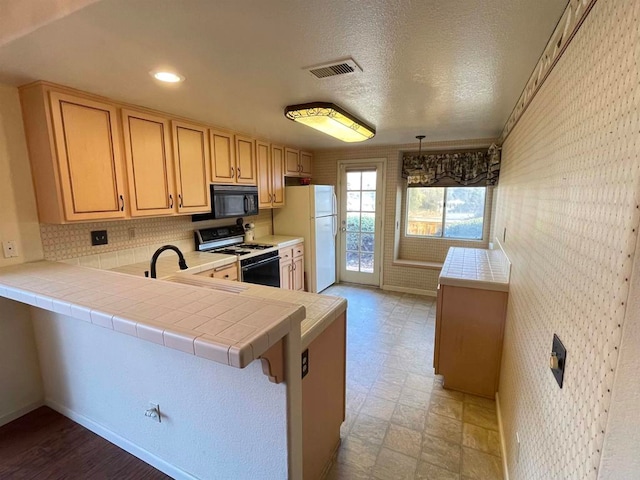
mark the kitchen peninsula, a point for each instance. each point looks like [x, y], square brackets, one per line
[175, 344]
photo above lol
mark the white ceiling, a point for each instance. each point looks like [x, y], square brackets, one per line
[449, 69]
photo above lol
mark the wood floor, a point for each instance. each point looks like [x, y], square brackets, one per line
[44, 445]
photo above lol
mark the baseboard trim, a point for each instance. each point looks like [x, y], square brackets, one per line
[10, 417]
[415, 291]
[126, 445]
[503, 444]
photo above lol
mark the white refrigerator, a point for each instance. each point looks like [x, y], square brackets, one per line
[310, 212]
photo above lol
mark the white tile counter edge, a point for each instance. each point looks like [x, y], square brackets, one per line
[17, 284]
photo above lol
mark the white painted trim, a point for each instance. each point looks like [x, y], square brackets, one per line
[415, 291]
[503, 444]
[365, 162]
[126, 445]
[10, 417]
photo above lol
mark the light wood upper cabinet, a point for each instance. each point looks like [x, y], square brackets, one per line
[245, 161]
[277, 176]
[265, 183]
[148, 155]
[292, 162]
[297, 163]
[191, 155]
[306, 159]
[75, 155]
[270, 161]
[223, 157]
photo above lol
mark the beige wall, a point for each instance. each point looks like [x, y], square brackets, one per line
[325, 171]
[18, 217]
[568, 196]
[21, 387]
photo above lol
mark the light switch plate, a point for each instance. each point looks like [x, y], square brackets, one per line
[560, 352]
[10, 249]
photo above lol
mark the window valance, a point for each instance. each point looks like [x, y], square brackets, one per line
[475, 168]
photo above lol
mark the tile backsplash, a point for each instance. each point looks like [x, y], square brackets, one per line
[63, 242]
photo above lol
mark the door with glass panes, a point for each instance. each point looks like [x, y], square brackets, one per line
[360, 188]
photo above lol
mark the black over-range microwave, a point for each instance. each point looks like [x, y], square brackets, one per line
[231, 201]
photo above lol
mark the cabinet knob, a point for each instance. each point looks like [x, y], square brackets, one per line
[238, 172]
[121, 203]
[232, 172]
[170, 201]
[180, 200]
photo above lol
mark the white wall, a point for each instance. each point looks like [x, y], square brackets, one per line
[19, 372]
[221, 422]
[20, 384]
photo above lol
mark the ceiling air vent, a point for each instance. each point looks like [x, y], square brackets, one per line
[339, 67]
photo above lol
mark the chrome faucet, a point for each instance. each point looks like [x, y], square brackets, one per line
[181, 261]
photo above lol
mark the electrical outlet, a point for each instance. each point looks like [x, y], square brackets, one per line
[99, 237]
[10, 249]
[305, 363]
[517, 447]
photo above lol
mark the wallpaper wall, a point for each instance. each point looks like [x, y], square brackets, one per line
[568, 196]
[325, 171]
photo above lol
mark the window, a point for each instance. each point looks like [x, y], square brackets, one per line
[449, 212]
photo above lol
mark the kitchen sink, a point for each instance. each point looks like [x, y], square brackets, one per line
[213, 284]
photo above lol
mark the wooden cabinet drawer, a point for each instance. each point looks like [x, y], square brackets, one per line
[285, 254]
[298, 250]
[228, 272]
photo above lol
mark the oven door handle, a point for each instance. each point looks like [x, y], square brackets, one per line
[246, 204]
[261, 262]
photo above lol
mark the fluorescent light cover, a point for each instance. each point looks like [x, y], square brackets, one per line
[332, 120]
[168, 77]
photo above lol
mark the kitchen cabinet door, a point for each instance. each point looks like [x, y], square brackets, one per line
[298, 274]
[277, 176]
[265, 184]
[306, 160]
[245, 161]
[86, 136]
[292, 162]
[149, 160]
[286, 268]
[223, 157]
[191, 154]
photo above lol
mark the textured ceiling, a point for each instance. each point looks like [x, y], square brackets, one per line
[450, 69]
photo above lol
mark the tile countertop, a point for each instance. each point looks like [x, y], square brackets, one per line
[279, 241]
[167, 263]
[476, 268]
[321, 310]
[209, 323]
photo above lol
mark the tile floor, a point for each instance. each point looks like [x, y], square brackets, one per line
[400, 422]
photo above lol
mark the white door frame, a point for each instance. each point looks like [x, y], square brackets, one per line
[381, 164]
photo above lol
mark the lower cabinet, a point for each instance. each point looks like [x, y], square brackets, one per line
[292, 267]
[468, 343]
[323, 399]
[227, 272]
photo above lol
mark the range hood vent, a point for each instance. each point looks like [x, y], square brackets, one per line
[338, 67]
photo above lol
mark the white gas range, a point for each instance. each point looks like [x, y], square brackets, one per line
[259, 263]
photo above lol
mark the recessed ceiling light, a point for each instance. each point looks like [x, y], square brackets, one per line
[168, 77]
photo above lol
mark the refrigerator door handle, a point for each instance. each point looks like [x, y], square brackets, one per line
[334, 223]
[335, 204]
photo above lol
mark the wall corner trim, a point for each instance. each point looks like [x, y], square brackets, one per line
[503, 443]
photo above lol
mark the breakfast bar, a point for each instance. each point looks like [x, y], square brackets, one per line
[188, 344]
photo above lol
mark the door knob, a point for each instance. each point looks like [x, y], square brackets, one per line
[343, 229]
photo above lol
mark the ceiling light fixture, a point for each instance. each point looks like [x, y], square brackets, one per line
[330, 119]
[420, 138]
[168, 77]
